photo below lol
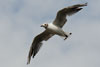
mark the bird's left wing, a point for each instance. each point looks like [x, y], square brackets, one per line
[37, 42]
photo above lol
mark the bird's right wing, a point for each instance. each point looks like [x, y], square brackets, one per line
[37, 43]
[60, 19]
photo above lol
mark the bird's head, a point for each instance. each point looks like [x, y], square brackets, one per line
[44, 25]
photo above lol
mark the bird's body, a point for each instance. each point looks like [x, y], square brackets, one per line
[54, 28]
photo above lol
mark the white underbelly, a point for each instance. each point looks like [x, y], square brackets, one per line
[56, 30]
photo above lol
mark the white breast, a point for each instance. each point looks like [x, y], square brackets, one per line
[56, 30]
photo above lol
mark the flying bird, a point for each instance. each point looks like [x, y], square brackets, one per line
[54, 28]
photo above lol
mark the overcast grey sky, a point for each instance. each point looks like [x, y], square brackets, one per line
[20, 22]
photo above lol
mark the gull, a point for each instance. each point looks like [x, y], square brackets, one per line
[54, 28]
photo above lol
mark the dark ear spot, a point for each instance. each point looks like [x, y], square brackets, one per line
[46, 25]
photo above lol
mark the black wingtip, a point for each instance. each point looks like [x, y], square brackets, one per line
[34, 55]
[28, 62]
[79, 8]
[86, 4]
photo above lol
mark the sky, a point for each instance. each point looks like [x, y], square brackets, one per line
[20, 22]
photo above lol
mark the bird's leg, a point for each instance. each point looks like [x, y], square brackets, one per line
[70, 33]
[66, 36]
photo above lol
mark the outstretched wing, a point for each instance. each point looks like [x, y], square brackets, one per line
[60, 19]
[37, 43]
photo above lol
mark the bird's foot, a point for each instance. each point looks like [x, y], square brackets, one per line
[70, 33]
[66, 36]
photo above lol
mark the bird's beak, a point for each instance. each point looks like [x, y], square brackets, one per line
[41, 26]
